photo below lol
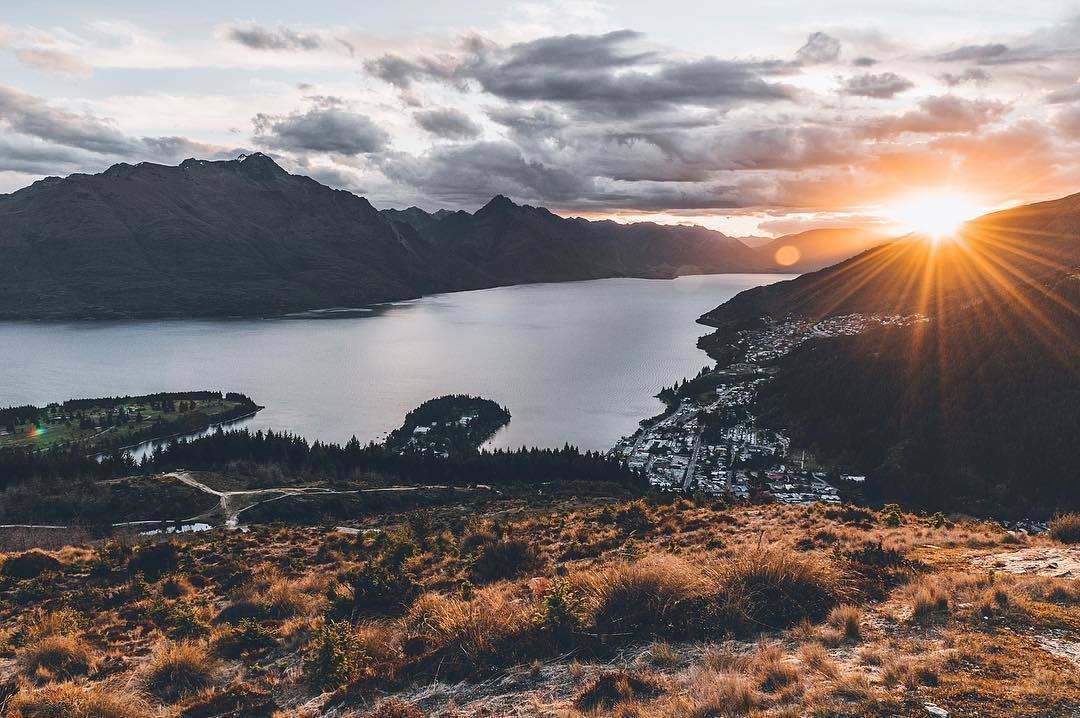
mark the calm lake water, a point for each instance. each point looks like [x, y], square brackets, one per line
[576, 362]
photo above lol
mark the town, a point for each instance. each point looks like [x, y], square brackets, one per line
[708, 440]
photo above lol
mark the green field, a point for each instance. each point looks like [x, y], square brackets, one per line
[106, 423]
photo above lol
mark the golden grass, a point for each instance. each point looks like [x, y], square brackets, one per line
[1066, 528]
[179, 669]
[67, 700]
[57, 656]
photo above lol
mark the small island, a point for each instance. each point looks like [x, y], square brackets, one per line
[104, 424]
[453, 424]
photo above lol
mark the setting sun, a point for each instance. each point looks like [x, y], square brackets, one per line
[936, 215]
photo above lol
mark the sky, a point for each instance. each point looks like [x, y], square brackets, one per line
[752, 118]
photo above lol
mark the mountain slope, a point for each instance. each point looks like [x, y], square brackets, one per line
[203, 238]
[245, 237]
[522, 243]
[816, 249]
[975, 410]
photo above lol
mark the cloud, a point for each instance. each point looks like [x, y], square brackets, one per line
[321, 130]
[972, 74]
[30, 115]
[881, 86]
[1067, 121]
[606, 75]
[257, 37]
[1067, 94]
[864, 61]
[819, 49]
[975, 53]
[447, 122]
[941, 114]
[467, 175]
[53, 61]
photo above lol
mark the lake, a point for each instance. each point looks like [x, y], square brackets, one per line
[575, 362]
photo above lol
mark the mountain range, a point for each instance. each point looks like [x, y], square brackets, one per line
[246, 238]
[975, 409]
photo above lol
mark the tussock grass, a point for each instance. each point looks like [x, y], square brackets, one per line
[67, 700]
[179, 669]
[774, 589]
[1066, 528]
[57, 656]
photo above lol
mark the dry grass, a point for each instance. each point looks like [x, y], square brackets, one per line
[657, 595]
[774, 589]
[57, 656]
[712, 693]
[471, 633]
[66, 700]
[1066, 528]
[846, 619]
[929, 600]
[179, 669]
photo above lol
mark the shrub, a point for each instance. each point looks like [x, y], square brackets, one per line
[59, 656]
[562, 608]
[31, 564]
[774, 589]
[503, 559]
[66, 700]
[179, 669]
[341, 653]
[633, 517]
[178, 619]
[891, 515]
[336, 656]
[378, 587]
[611, 688]
[245, 637]
[154, 560]
[1066, 528]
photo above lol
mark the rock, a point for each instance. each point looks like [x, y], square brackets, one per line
[935, 710]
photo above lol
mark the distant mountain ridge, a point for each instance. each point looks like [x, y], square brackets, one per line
[246, 238]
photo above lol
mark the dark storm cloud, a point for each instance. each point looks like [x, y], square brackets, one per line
[447, 122]
[471, 174]
[257, 37]
[596, 74]
[972, 74]
[321, 130]
[819, 49]
[881, 86]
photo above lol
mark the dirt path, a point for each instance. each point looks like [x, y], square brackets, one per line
[234, 503]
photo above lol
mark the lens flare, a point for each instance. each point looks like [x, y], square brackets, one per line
[938, 216]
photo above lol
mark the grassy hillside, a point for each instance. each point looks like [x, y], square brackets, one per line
[549, 605]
